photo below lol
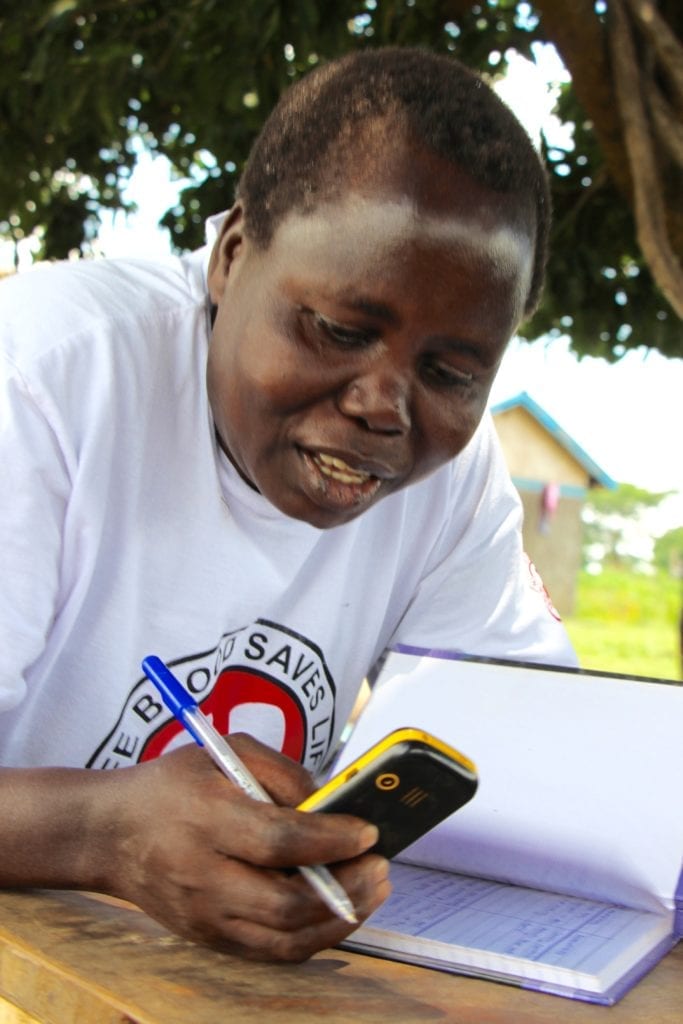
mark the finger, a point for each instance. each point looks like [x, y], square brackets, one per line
[365, 881]
[287, 902]
[286, 781]
[256, 941]
[280, 837]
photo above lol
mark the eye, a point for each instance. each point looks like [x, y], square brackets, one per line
[445, 376]
[341, 334]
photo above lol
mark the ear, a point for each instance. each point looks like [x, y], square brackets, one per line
[225, 250]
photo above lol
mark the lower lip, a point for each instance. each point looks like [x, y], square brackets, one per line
[337, 495]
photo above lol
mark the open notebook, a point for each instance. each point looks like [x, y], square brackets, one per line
[565, 872]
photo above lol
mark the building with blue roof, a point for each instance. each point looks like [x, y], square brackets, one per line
[553, 474]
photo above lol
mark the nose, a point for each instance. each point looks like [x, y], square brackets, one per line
[379, 400]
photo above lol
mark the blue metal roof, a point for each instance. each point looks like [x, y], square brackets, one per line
[525, 401]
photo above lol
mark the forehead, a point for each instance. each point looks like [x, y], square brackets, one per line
[391, 223]
[395, 189]
[424, 230]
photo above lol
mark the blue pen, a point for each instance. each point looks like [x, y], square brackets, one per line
[177, 699]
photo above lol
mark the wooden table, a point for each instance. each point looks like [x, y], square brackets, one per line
[66, 958]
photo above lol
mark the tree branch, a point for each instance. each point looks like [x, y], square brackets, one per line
[667, 125]
[580, 40]
[650, 212]
[665, 45]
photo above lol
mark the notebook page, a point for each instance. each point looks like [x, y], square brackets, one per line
[522, 933]
[581, 777]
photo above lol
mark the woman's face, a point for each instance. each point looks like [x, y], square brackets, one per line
[355, 354]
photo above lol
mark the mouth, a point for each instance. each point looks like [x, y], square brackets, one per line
[340, 486]
[336, 469]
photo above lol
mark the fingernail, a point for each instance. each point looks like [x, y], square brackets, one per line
[369, 836]
[380, 872]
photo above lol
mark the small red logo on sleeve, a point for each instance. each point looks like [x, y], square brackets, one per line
[538, 585]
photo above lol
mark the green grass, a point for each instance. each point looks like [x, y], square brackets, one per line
[628, 622]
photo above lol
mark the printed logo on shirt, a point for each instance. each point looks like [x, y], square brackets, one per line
[538, 585]
[263, 679]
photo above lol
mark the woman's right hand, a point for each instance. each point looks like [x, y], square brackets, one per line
[181, 841]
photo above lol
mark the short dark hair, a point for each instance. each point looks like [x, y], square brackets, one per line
[298, 159]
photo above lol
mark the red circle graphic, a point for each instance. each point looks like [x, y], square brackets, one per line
[234, 688]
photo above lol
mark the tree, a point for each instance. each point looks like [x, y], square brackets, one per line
[613, 531]
[669, 552]
[80, 79]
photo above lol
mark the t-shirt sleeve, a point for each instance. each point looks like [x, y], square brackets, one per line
[33, 503]
[480, 595]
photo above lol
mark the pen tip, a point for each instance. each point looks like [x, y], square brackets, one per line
[346, 911]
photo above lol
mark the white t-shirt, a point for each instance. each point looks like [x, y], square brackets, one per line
[124, 531]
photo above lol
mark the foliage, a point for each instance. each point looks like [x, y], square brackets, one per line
[669, 552]
[625, 500]
[79, 79]
[611, 530]
[628, 623]
[599, 289]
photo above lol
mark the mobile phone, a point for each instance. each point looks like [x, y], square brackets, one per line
[405, 784]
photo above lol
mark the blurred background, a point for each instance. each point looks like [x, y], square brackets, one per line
[125, 123]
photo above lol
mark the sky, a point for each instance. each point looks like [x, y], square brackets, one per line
[627, 416]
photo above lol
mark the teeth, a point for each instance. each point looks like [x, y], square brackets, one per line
[339, 470]
[330, 460]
